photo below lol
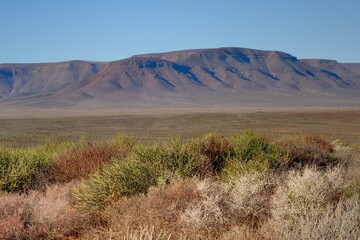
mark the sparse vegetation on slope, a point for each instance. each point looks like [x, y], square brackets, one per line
[245, 186]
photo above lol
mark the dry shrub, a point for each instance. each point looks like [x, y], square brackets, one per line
[246, 232]
[352, 159]
[333, 221]
[39, 215]
[142, 233]
[242, 201]
[301, 152]
[305, 190]
[81, 162]
[206, 167]
[320, 142]
[304, 201]
[249, 199]
[348, 156]
[14, 215]
[215, 149]
[160, 209]
[53, 215]
[146, 233]
[206, 216]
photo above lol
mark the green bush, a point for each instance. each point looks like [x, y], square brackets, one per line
[123, 141]
[171, 159]
[146, 166]
[20, 169]
[121, 178]
[252, 153]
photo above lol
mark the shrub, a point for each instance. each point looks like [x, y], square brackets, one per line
[352, 158]
[136, 191]
[52, 213]
[121, 178]
[216, 149]
[206, 216]
[14, 215]
[123, 142]
[160, 208]
[309, 188]
[252, 153]
[305, 195]
[20, 168]
[41, 215]
[80, 162]
[242, 201]
[320, 142]
[173, 159]
[237, 232]
[334, 221]
[142, 233]
[146, 233]
[352, 188]
[306, 151]
[248, 198]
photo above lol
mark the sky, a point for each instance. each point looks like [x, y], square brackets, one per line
[107, 30]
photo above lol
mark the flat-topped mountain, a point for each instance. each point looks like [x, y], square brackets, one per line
[224, 77]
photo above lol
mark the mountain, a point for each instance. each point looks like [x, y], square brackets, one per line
[224, 77]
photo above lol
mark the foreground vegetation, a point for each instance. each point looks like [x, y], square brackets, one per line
[242, 186]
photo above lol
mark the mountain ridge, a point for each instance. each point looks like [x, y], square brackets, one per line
[188, 78]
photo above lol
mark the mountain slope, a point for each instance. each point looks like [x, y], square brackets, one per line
[191, 78]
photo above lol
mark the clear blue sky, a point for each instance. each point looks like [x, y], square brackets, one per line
[105, 30]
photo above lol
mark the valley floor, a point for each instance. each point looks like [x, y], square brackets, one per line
[29, 127]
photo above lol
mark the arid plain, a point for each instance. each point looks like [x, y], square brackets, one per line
[29, 127]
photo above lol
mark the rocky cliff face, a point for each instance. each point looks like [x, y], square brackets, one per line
[204, 78]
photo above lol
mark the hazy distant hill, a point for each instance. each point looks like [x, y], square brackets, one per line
[224, 77]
